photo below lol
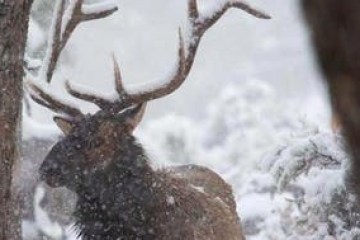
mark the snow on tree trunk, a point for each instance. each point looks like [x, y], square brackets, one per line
[14, 16]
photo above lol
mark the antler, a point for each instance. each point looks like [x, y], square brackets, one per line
[43, 98]
[186, 55]
[65, 21]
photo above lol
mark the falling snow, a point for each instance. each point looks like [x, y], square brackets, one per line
[287, 172]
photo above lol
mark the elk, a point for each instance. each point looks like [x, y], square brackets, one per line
[120, 195]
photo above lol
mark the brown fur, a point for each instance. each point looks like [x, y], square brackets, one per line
[207, 201]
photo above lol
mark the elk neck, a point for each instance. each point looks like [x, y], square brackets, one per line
[121, 200]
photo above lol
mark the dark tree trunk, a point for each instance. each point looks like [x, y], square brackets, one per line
[335, 29]
[14, 16]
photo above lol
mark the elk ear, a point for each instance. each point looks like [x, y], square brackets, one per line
[134, 115]
[64, 124]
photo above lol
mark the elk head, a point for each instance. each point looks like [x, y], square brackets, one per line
[90, 145]
[92, 142]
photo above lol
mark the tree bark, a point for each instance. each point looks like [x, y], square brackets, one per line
[14, 16]
[335, 31]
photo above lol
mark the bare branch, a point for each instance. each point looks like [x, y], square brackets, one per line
[31, 64]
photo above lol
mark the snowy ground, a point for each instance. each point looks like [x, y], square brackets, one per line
[253, 109]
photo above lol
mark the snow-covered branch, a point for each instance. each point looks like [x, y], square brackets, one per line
[32, 64]
[321, 150]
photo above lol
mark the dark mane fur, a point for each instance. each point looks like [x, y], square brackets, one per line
[128, 200]
[119, 201]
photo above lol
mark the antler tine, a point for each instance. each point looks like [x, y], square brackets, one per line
[126, 99]
[199, 25]
[193, 9]
[79, 16]
[207, 22]
[118, 79]
[102, 103]
[46, 100]
[64, 23]
[250, 10]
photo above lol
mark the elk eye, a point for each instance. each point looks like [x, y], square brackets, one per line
[96, 142]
